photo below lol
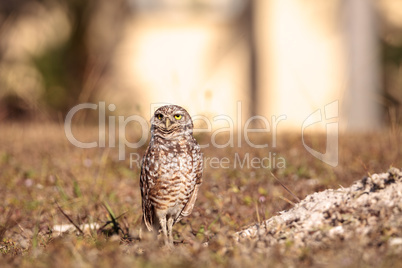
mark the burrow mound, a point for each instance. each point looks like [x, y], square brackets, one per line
[368, 212]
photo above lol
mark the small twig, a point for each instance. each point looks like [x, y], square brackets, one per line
[112, 217]
[258, 214]
[364, 165]
[286, 188]
[112, 214]
[69, 219]
[113, 220]
[287, 200]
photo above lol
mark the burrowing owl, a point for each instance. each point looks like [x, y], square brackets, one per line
[171, 170]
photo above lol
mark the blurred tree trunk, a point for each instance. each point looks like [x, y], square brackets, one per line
[247, 21]
[73, 70]
[362, 106]
[70, 69]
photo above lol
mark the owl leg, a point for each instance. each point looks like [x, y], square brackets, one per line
[162, 222]
[169, 229]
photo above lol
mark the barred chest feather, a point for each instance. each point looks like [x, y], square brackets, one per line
[171, 163]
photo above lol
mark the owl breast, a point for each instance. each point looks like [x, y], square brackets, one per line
[175, 179]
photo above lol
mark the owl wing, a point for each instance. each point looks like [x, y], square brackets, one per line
[145, 181]
[188, 208]
[197, 168]
[199, 165]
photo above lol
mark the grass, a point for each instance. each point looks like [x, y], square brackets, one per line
[40, 169]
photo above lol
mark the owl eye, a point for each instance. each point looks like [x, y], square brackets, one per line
[177, 116]
[159, 116]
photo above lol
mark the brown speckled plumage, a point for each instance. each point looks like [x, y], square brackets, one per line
[171, 170]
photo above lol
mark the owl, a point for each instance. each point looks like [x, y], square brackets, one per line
[171, 171]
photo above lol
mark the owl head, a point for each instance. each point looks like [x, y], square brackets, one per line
[171, 120]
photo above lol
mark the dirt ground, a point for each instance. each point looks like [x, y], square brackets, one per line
[46, 182]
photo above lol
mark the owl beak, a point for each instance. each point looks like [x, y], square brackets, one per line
[168, 123]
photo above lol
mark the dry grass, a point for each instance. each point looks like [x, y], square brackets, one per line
[39, 169]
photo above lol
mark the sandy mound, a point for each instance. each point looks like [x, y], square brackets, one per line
[366, 212]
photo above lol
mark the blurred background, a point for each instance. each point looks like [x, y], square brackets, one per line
[275, 57]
